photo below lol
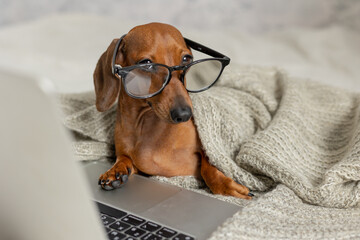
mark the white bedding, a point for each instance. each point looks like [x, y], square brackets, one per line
[65, 48]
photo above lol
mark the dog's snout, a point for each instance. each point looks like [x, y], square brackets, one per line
[180, 114]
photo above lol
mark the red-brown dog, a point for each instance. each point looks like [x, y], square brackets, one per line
[155, 135]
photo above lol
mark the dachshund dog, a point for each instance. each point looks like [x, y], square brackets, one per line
[154, 134]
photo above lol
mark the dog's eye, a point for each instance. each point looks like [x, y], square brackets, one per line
[187, 59]
[145, 61]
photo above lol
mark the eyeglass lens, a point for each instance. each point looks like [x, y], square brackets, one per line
[149, 79]
[146, 80]
[202, 74]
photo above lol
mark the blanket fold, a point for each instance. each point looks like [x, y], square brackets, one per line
[280, 214]
[261, 128]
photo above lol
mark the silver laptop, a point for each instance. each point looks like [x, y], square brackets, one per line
[47, 194]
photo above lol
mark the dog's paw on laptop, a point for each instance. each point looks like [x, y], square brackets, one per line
[115, 177]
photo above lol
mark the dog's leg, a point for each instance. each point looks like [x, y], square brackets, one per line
[118, 174]
[219, 183]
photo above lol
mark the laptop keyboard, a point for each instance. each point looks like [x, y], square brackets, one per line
[122, 225]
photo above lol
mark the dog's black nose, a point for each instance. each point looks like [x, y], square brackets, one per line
[180, 114]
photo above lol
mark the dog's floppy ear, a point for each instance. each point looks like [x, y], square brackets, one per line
[107, 86]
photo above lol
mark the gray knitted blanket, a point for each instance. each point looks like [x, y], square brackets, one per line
[295, 142]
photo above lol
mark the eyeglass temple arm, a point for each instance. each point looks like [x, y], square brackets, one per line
[114, 54]
[202, 48]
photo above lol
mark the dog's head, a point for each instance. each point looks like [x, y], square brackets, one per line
[156, 43]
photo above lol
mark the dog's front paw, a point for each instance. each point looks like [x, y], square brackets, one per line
[221, 184]
[229, 187]
[115, 177]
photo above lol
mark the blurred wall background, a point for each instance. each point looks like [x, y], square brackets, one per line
[63, 39]
[243, 15]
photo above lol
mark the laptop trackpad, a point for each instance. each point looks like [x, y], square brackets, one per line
[137, 195]
[192, 212]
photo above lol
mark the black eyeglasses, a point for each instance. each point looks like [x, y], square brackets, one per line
[149, 79]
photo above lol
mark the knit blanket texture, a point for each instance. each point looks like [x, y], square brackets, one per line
[294, 142]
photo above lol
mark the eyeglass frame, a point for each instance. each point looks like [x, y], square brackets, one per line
[117, 69]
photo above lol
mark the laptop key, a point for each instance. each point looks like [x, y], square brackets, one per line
[120, 226]
[151, 236]
[135, 232]
[115, 235]
[107, 219]
[150, 226]
[181, 236]
[107, 229]
[133, 220]
[166, 232]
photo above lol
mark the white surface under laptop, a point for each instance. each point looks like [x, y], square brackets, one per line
[46, 193]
